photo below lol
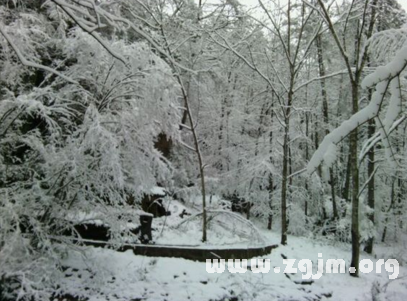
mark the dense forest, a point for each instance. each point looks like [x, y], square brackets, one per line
[289, 115]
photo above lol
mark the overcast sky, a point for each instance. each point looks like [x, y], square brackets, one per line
[403, 3]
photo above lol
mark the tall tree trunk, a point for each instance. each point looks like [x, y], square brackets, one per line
[371, 185]
[307, 159]
[346, 188]
[271, 182]
[200, 162]
[386, 220]
[284, 188]
[355, 186]
[192, 128]
[270, 189]
[355, 70]
[326, 118]
[319, 169]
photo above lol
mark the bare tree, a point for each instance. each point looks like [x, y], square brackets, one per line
[365, 27]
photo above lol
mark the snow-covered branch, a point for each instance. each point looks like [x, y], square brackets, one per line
[26, 62]
[384, 78]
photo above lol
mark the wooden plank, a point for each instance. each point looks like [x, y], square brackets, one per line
[199, 254]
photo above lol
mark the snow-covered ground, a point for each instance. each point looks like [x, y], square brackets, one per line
[102, 274]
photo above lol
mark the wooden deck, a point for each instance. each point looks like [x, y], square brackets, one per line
[198, 253]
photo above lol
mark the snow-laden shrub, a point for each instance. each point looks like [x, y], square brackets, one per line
[68, 146]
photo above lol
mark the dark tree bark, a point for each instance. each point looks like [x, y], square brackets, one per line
[371, 185]
[326, 118]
